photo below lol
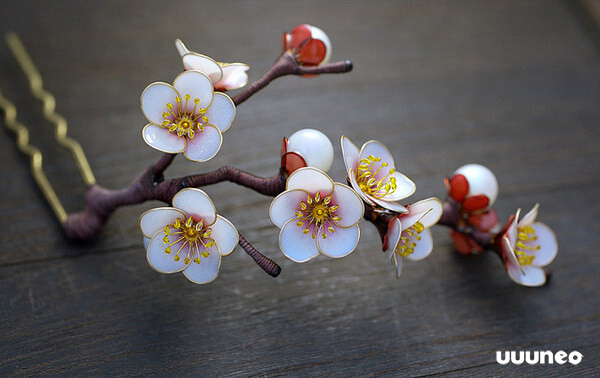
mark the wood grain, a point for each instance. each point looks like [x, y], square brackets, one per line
[514, 85]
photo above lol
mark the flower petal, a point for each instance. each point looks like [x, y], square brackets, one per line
[154, 101]
[378, 149]
[207, 270]
[422, 247]
[528, 275]
[546, 239]
[392, 237]
[427, 211]
[351, 208]
[204, 64]
[225, 235]
[390, 205]
[159, 260]
[404, 187]
[295, 245]
[339, 243]
[161, 139]
[234, 76]
[155, 220]
[197, 204]
[312, 180]
[285, 205]
[399, 264]
[530, 217]
[350, 154]
[205, 144]
[368, 199]
[221, 111]
[197, 85]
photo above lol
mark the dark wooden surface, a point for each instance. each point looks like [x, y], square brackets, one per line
[514, 85]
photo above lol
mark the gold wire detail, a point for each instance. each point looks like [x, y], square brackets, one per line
[10, 118]
[49, 107]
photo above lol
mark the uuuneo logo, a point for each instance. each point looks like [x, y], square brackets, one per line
[538, 357]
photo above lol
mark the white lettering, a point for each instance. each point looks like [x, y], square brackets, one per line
[513, 357]
[559, 357]
[575, 357]
[499, 357]
[534, 360]
[545, 354]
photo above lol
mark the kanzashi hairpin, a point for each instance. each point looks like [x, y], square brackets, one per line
[315, 214]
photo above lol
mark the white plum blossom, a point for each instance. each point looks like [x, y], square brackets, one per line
[224, 76]
[526, 247]
[316, 215]
[189, 237]
[409, 236]
[372, 173]
[187, 117]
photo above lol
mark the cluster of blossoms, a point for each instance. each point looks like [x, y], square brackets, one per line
[315, 214]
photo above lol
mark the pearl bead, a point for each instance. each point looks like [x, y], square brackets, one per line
[481, 181]
[314, 146]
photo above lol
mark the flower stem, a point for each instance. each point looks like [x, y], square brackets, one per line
[268, 265]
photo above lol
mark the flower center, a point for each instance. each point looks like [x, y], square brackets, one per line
[365, 177]
[182, 122]
[409, 238]
[193, 238]
[317, 213]
[525, 238]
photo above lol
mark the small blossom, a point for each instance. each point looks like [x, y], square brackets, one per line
[474, 186]
[306, 148]
[409, 236]
[372, 173]
[189, 237]
[316, 215]
[309, 45]
[187, 116]
[224, 76]
[526, 246]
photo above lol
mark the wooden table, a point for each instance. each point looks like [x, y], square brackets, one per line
[512, 85]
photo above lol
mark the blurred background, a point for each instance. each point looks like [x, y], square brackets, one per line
[513, 85]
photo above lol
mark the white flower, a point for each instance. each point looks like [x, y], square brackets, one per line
[307, 148]
[316, 215]
[408, 234]
[372, 173]
[224, 76]
[526, 247]
[189, 237]
[187, 116]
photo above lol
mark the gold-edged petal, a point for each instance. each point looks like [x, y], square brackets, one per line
[234, 76]
[196, 203]
[351, 208]
[296, 245]
[225, 235]
[159, 260]
[340, 243]
[350, 153]
[198, 86]
[161, 139]
[312, 180]
[221, 112]
[208, 268]
[205, 145]
[156, 219]
[284, 206]
[154, 100]
[204, 64]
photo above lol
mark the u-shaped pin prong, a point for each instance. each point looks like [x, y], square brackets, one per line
[49, 107]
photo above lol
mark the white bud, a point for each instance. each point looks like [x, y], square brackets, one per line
[314, 147]
[319, 34]
[481, 181]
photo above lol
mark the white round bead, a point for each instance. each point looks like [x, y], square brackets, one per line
[481, 181]
[314, 146]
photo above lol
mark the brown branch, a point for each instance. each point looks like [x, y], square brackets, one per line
[286, 64]
[264, 262]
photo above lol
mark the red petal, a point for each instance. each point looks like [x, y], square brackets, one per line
[312, 53]
[299, 36]
[484, 221]
[292, 161]
[461, 242]
[478, 202]
[459, 187]
[283, 147]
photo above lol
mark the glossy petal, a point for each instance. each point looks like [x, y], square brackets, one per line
[161, 261]
[399, 264]
[423, 247]
[221, 112]
[378, 149]
[404, 188]
[154, 101]
[205, 144]
[295, 245]
[317, 33]
[546, 239]
[161, 139]
[351, 207]
[204, 64]
[234, 76]
[529, 275]
[390, 205]
[392, 237]
[427, 211]
[530, 217]
[339, 243]
[225, 235]
[350, 154]
[368, 199]
[459, 187]
[312, 180]
[197, 85]
[477, 202]
[181, 48]
[285, 205]
[509, 256]
[194, 202]
[155, 220]
[207, 270]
